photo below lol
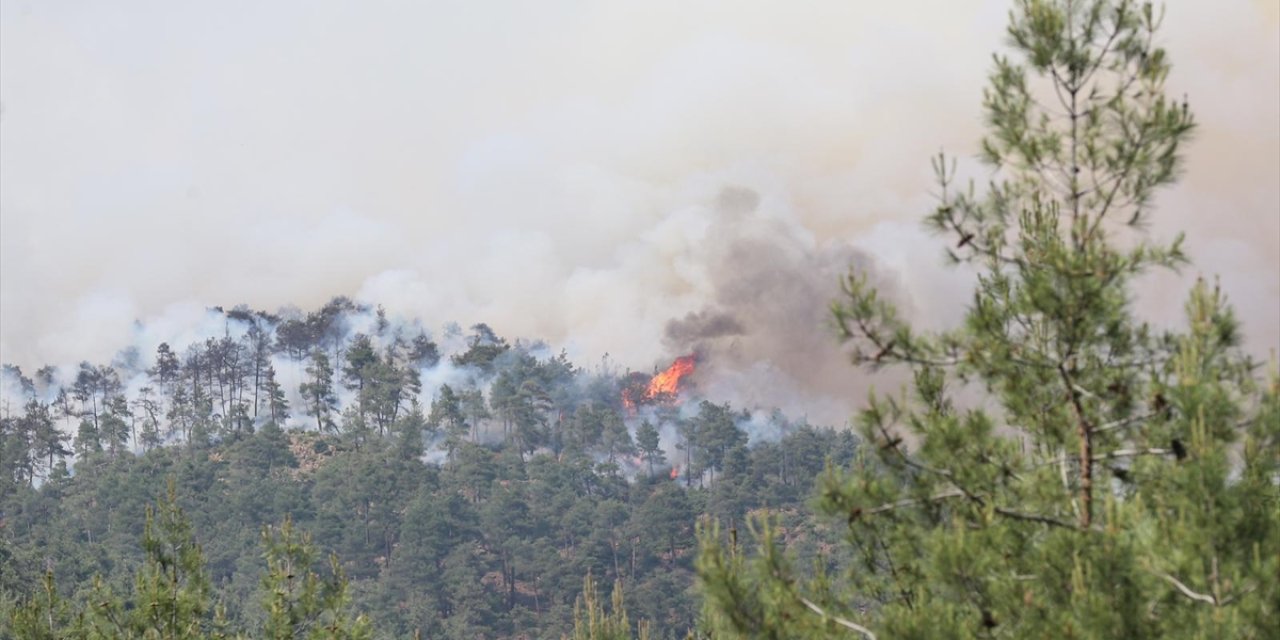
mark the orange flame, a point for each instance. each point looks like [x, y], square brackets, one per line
[661, 388]
[668, 382]
[675, 472]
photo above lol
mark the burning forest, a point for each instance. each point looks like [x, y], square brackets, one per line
[664, 387]
[347, 403]
[349, 368]
[649, 324]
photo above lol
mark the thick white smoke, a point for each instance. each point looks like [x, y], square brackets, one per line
[551, 169]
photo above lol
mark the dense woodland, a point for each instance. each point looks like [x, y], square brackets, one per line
[475, 513]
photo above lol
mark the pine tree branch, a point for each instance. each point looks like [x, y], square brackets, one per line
[888, 350]
[1186, 591]
[1085, 433]
[837, 619]
[961, 493]
[1087, 76]
[1032, 517]
[1124, 422]
[1131, 453]
[1239, 594]
[907, 502]
[1110, 455]
[1129, 161]
[971, 239]
[1203, 597]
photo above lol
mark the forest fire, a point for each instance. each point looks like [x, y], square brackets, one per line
[668, 382]
[663, 387]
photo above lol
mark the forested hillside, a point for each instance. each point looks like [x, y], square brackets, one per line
[1055, 455]
[467, 491]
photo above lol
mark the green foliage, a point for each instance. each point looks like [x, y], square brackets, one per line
[298, 601]
[45, 616]
[615, 440]
[715, 433]
[1119, 481]
[749, 596]
[381, 385]
[648, 443]
[172, 597]
[318, 391]
[592, 622]
[485, 544]
[483, 350]
[277, 403]
[446, 414]
[173, 593]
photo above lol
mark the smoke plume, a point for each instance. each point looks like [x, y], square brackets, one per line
[763, 334]
[693, 175]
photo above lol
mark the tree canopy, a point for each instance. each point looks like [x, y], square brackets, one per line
[1111, 479]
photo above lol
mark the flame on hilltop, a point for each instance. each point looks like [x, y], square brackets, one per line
[668, 382]
[663, 387]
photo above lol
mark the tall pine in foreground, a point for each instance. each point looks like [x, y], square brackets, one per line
[300, 602]
[1117, 481]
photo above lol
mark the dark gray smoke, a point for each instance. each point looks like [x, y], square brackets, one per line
[765, 339]
[698, 326]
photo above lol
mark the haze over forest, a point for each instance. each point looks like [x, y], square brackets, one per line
[593, 176]
[364, 320]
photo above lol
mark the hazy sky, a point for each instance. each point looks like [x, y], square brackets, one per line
[549, 167]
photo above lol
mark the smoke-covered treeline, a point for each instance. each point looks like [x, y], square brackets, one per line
[467, 482]
[344, 369]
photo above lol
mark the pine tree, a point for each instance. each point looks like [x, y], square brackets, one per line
[592, 622]
[277, 403]
[410, 432]
[1120, 481]
[446, 414]
[318, 391]
[88, 439]
[259, 351]
[146, 407]
[50, 443]
[361, 357]
[717, 435]
[423, 352]
[476, 410]
[47, 615]
[173, 596]
[299, 602]
[649, 444]
[167, 369]
[115, 424]
[615, 440]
